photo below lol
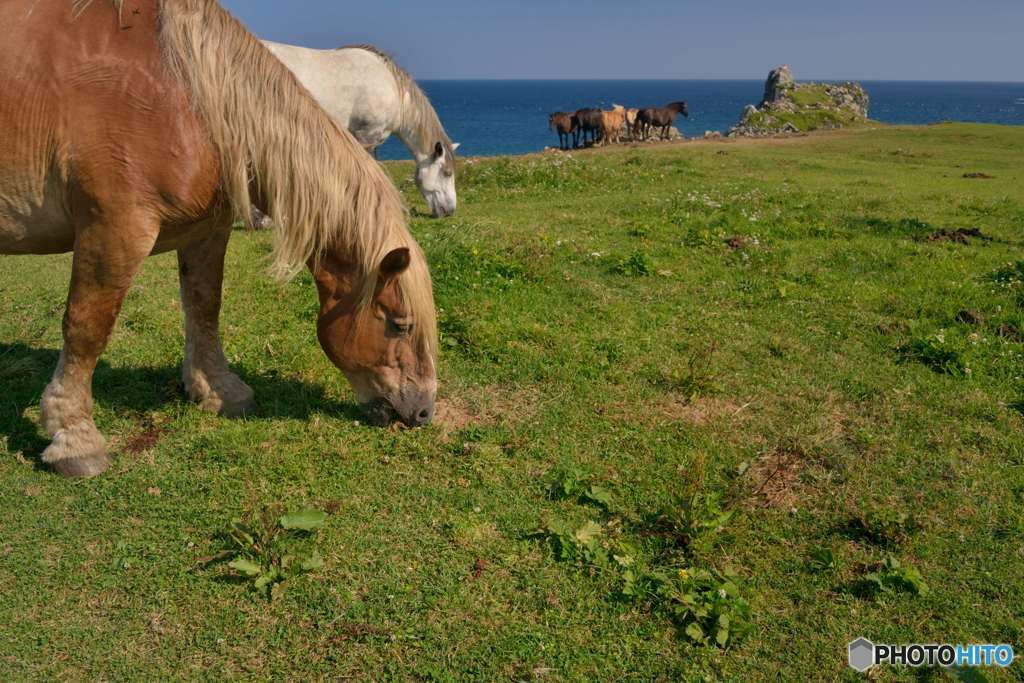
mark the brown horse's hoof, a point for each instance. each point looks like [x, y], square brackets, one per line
[236, 410]
[230, 397]
[84, 467]
[77, 452]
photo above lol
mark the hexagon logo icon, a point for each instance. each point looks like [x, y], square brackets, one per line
[862, 655]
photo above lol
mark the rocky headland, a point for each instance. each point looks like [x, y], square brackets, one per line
[790, 107]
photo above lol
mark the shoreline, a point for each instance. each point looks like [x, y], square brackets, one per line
[701, 141]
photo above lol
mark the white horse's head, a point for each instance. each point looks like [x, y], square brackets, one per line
[435, 176]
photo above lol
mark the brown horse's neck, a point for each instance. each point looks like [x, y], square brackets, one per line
[337, 282]
[338, 287]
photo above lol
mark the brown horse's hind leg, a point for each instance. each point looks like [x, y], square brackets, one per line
[106, 260]
[208, 380]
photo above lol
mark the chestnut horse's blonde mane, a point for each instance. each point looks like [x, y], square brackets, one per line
[319, 186]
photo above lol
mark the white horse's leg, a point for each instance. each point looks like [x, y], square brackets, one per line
[105, 262]
[208, 380]
[259, 220]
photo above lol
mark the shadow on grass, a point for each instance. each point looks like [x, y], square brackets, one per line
[857, 530]
[25, 371]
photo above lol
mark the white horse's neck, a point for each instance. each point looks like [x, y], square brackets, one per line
[417, 126]
[409, 134]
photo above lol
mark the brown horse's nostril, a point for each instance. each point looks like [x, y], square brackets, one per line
[423, 417]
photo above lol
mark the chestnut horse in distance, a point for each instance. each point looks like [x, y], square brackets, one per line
[134, 127]
[567, 126]
[612, 123]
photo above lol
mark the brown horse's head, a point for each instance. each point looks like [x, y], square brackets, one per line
[682, 108]
[380, 331]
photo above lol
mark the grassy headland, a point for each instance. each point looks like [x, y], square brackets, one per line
[658, 365]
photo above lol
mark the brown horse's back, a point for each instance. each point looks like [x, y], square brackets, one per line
[63, 157]
[589, 118]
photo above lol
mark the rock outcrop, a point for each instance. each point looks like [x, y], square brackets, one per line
[789, 107]
[780, 82]
[673, 134]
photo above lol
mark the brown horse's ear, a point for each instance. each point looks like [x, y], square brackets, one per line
[394, 264]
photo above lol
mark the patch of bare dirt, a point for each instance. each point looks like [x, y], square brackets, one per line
[776, 478]
[484, 406]
[970, 317]
[738, 242]
[453, 414]
[1010, 332]
[977, 175]
[352, 630]
[698, 412]
[833, 424]
[958, 236]
[146, 439]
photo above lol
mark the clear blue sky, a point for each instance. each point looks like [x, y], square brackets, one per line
[820, 39]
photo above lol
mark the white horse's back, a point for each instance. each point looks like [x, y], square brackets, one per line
[353, 85]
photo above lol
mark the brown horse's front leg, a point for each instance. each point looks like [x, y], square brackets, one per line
[208, 380]
[107, 257]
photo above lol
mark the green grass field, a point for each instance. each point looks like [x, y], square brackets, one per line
[658, 365]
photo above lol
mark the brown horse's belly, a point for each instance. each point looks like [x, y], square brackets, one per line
[35, 225]
[175, 236]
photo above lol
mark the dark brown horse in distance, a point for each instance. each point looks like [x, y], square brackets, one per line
[590, 121]
[567, 125]
[659, 117]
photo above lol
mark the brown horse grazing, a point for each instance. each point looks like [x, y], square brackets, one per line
[143, 128]
[660, 117]
[612, 123]
[567, 126]
[589, 122]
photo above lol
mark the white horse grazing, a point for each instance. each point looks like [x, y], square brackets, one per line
[366, 92]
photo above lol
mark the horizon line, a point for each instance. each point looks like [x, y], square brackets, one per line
[799, 80]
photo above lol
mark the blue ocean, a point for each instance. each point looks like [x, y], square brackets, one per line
[493, 118]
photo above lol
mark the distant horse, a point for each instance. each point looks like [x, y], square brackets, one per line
[589, 122]
[660, 117]
[631, 121]
[612, 123]
[567, 126]
[119, 144]
[365, 91]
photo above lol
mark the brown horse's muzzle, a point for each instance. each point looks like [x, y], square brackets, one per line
[415, 408]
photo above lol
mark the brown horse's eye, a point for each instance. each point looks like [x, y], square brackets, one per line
[399, 328]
